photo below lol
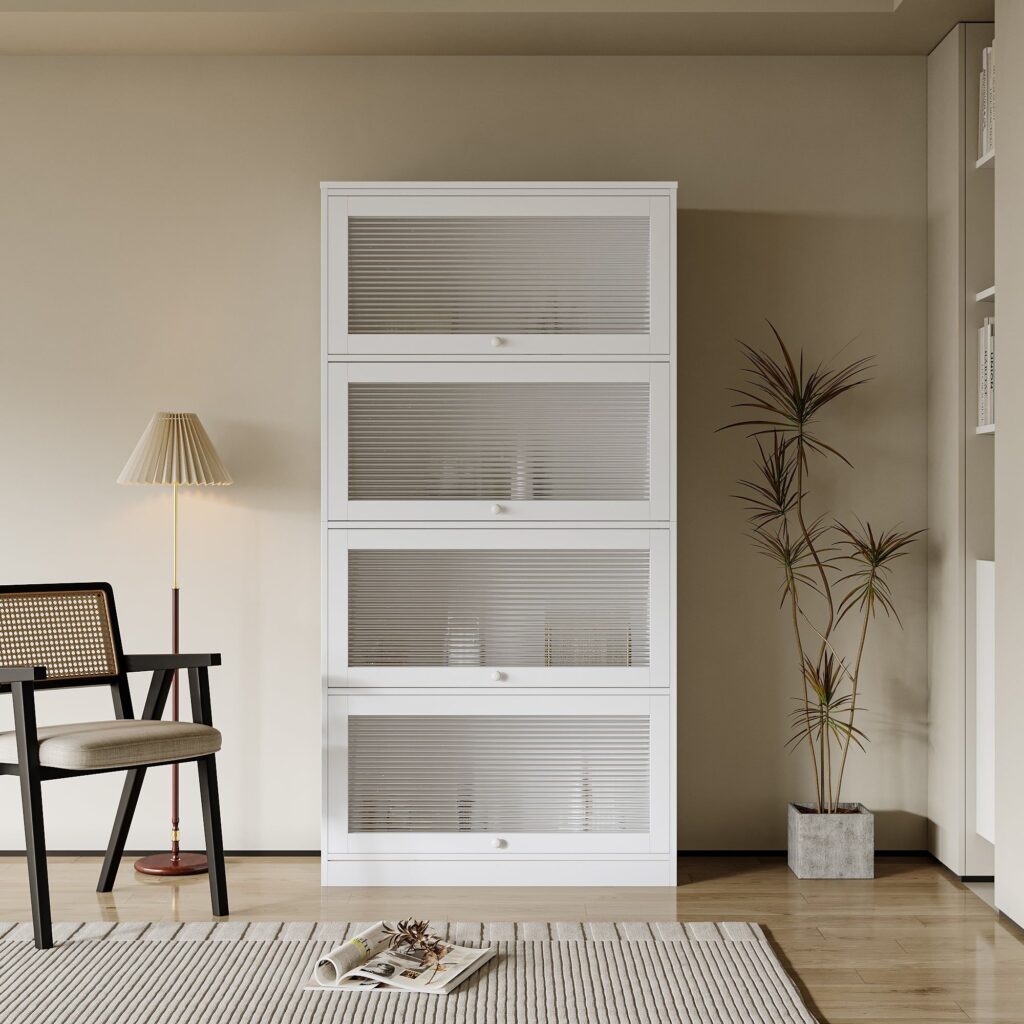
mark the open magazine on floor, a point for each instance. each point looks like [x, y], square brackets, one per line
[402, 957]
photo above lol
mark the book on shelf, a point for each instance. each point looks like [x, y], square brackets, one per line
[376, 960]
[987, 372]
[987, 103]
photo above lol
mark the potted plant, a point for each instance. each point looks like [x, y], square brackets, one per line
[832, 571]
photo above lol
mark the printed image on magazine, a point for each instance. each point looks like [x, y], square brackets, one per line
[380, 959]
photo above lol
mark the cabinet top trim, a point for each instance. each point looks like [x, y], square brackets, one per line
[345, 187]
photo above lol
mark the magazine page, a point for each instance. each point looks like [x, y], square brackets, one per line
[410, 969]
[333, 966]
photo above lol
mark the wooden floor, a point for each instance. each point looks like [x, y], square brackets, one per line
[912, 945]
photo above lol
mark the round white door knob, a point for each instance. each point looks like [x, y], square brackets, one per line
[496, 510]
[497, 676]
[497, 342]
[498, 844]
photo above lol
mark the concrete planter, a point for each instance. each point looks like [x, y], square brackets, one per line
[832, 845]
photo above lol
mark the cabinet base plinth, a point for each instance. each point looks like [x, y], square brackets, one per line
[498, 871]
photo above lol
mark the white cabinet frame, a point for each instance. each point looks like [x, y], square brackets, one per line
[479, 844]
[646, 858]
[662, 479]
[341, 675]
[659, 208]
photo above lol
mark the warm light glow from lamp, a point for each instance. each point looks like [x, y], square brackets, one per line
[174, 450]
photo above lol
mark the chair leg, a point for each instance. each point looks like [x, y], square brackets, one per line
[122, 823]
[210, 796]
[35, 846]
[32, 809]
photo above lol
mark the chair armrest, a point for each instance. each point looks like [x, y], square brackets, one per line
[22, 674]
[167, 662]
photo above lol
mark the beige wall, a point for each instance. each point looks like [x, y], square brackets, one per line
[1009, 480]
[159, 220]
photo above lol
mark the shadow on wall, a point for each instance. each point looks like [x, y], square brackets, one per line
[272, 464]
[823, 280]
[892, 823]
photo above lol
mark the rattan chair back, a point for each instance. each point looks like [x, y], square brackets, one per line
[70, 629]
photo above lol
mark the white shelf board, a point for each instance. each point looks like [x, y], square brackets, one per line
[988, 428]
[988, 160]
[988, 295]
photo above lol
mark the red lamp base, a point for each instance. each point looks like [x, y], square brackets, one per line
[165, 864]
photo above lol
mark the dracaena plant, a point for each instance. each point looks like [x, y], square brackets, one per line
[830, 570]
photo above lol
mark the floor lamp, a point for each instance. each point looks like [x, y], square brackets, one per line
[174, 450]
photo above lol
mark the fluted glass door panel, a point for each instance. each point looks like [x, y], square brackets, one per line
[511, 773]
[536, 608]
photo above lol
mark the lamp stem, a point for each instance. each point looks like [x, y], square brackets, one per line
[174, 541]
[175, 832]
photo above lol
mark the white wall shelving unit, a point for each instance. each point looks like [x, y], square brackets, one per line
[960, 452]
[499, 534]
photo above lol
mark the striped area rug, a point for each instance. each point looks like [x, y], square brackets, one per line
[240, 972]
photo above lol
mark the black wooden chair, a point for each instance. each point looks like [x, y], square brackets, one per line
[66, 635]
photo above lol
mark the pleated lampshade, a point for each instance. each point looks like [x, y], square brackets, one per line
[174, 449]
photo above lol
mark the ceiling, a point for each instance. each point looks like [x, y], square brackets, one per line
[481, 27]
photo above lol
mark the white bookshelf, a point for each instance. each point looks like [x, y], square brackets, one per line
[961, 484]
[980, 688]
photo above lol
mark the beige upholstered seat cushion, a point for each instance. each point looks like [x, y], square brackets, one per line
[87, 746]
